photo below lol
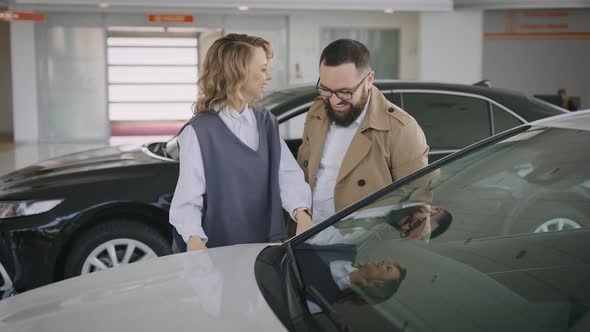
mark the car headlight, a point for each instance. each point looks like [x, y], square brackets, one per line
[13, 209]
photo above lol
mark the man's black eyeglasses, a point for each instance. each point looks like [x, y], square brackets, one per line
[343, 95]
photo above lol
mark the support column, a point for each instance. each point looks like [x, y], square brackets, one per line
[24, 82]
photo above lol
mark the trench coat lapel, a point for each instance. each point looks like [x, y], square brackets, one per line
[321, 124]
[358, 149]
[361, 144]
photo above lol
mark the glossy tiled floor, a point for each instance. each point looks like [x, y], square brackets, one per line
[15, 156]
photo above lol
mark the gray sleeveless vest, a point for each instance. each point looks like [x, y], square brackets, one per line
[242, 202]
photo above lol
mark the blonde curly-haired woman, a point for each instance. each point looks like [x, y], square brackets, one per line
[236, 173]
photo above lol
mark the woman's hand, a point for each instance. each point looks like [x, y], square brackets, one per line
[303, 221]
[195, 243]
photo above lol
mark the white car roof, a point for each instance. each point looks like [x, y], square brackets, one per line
[579, 120]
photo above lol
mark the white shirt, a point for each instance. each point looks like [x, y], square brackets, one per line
[336, 145]
[340, 273]
[187, 203]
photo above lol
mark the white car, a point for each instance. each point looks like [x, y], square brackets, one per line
[498, 242]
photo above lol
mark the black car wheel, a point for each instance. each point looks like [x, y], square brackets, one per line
[113, 244]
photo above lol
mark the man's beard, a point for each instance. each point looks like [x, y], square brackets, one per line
[349, 116]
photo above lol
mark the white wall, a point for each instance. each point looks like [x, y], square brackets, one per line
[304, 39]
[535, 63]
[451, 47]
[6, 126]
[72, 84]
[272, 28]
[24, 82]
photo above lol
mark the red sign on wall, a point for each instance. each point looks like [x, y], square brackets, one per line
[6, 15]
[170, 18]
[541, 24]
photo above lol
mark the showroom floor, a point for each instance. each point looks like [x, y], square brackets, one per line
[15, 156]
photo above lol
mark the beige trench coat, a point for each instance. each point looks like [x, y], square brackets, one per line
[388, 145]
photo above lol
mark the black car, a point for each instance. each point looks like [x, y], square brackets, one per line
[98, 209]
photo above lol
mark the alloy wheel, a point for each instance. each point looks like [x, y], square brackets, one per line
[116, 252]
[557, 224]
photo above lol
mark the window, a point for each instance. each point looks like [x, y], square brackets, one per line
[449, 121]
[503, 120]
[293, 128]
[290, 108]
[395, 98]
[151, 77]
[382, 43]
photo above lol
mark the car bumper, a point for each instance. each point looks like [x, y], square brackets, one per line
[5, 280]
[6, 276]
[27, 255]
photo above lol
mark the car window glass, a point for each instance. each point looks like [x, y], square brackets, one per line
[503, 120]
[275, 101]
[292, 129]
[449, 121]
[490, 232]
[395, 98]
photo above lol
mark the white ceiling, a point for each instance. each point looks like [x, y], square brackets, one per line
[380, 5]
[365, 5]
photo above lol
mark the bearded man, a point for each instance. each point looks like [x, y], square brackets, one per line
[355, 141]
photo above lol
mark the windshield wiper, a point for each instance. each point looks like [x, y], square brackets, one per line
[295, 267]
[314, 294]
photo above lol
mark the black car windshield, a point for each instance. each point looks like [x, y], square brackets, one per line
[494, 241]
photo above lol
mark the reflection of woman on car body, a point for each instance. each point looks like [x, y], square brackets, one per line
[236, 173]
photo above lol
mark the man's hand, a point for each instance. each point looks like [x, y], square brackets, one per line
[303, 221]
[195, 243]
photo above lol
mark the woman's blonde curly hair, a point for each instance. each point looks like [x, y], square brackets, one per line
[224, 70]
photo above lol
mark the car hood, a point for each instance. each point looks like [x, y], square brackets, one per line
[210, 290]
[98, 159]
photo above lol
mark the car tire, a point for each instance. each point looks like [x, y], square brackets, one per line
[128, 241]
